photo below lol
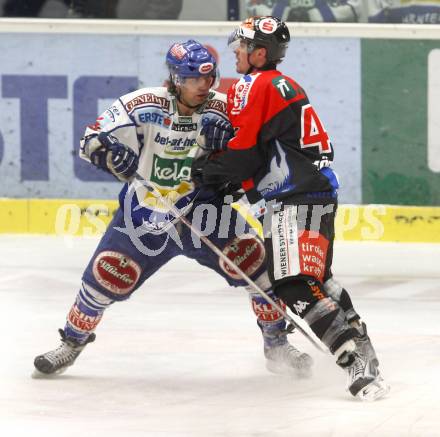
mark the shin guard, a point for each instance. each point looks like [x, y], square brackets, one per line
[308, 299]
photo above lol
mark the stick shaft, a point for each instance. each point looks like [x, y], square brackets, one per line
[228, 261]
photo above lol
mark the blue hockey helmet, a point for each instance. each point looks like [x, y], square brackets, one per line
[191, 59]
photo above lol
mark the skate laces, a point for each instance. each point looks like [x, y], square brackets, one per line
[63, 354]
[357, 369]
[363, 343]
[67, 351]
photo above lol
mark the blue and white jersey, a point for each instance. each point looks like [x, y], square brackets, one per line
[147, 121]
[404, 11]
[307, 10]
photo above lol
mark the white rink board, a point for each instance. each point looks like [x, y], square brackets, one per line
[43, 84]
[434, 111]
[183, 356]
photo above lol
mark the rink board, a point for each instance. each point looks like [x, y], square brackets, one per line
[386, 153]
[90, 217]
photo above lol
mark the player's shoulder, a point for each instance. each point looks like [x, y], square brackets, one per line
[217, 95]
[216, 104]
[275, 83]
[254, 82]
[158, 97]
[270, 78]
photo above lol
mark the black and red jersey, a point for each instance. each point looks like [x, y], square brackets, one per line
[280, 147]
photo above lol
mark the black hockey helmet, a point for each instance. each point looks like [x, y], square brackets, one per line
[268, 32]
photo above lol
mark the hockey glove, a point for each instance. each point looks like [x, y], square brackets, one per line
[215, 135]
[197, 172]
[115, 157]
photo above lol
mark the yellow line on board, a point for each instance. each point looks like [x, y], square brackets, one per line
[89, 217]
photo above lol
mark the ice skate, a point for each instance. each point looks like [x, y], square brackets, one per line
[57, 361]
[364, 345]
[363, 378]
[287, 359]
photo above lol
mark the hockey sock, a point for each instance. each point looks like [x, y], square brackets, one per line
[269, 320]
[85, 313]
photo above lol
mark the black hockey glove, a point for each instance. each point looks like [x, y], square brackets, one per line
[215, 135]
[222, 188]
[115, 157]
[198, 170]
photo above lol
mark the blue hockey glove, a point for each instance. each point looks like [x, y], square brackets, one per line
[115, 157]
[217, 134]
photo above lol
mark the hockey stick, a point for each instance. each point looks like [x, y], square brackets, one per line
[229, 262]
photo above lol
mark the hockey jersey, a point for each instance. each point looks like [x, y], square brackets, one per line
[307, 10]
[404, 11]
[280, 147]
[147, 121]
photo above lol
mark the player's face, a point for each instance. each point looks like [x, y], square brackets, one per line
[241, 54]
[195, 90]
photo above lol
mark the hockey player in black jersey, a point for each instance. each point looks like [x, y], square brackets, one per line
[288, 153]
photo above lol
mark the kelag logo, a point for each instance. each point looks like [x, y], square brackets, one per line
[170, 172]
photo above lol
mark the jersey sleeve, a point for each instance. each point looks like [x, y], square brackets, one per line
[115, 120]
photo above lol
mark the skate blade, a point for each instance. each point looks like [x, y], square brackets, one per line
[36, 374]
[375, 390]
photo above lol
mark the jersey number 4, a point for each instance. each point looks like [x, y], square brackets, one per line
[313, 133]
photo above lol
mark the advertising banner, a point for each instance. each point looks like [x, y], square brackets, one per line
[401, 122]
[53, 85]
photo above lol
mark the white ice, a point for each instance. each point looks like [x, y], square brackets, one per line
[183, 357]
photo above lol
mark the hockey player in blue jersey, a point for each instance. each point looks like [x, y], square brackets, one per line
[151, 133]
[404, 11]
[373, 11]
[307, 10]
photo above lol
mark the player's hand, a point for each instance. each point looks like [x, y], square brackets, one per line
[197, 170]
[215, 135]
[115, 157]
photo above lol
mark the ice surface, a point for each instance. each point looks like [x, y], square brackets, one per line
[183, 356]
